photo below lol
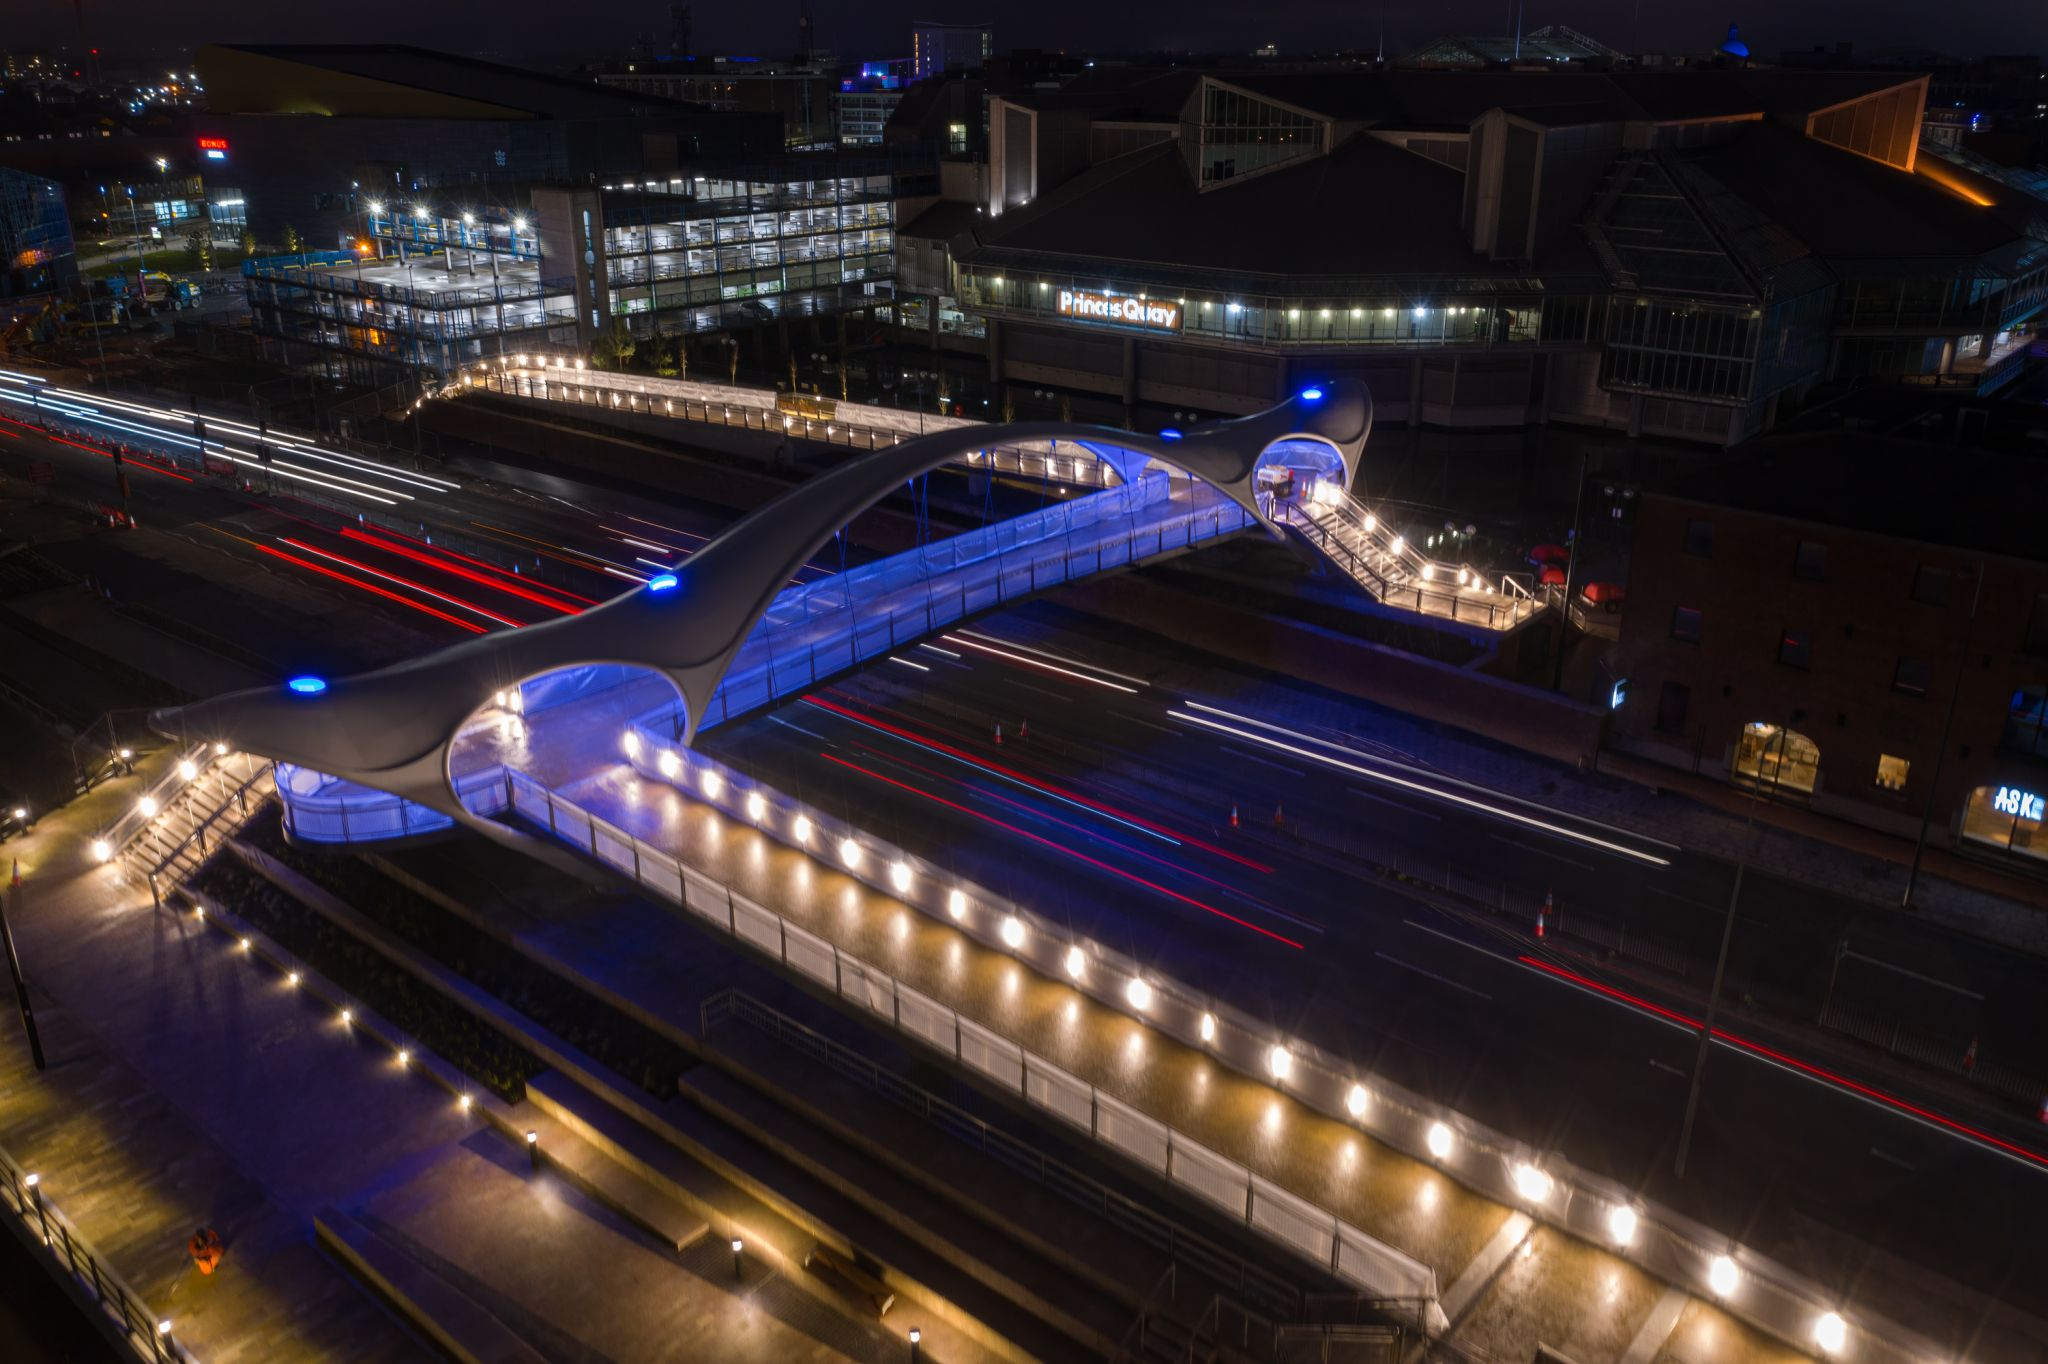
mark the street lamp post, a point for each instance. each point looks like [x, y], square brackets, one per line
[1941, 754]
[1699, 1064]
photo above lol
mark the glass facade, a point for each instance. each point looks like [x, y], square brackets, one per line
[1467, 317]
[35, 236]
[1690, 349]
[746, 250]
[1240, 135]
[2006, 818]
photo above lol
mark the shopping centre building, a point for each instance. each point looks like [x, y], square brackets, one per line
[1666, 253]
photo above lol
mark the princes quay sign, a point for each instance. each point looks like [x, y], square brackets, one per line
[1152, 314]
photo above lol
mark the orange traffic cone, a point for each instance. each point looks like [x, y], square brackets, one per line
[1970, 1055]
[999, 735]
[1023, 730]
[1233, 814]
[1543, 914]
[1279, 815]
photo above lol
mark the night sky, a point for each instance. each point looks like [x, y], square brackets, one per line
[146, 30]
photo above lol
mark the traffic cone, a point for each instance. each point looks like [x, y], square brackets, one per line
[2044, 1108]
[1543, 914]
[1970, 1055]
[999, 734]
[1023, 730]
[1279, 815]
[1233, 814]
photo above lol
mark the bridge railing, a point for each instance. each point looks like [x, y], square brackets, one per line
[1286, 1219]
[825, 628]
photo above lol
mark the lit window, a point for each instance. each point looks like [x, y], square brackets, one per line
[1891, 772]
[1779, 760]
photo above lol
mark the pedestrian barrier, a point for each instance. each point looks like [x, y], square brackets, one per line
[148, 1336]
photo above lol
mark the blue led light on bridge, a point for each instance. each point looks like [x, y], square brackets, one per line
[308, 686]
[1169, 434]
[1313, 395]
[661, 582]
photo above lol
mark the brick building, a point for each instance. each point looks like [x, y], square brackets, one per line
[1810, 620]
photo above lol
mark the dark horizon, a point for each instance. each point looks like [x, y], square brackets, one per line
[132, 32]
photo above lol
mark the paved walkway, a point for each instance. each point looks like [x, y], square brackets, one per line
[189, 1084]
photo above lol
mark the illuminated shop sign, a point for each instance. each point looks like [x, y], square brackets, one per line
[1150, 313]
[214, 148]
[2011, 800]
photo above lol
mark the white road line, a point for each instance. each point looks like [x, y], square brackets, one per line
[1441, 980]
[778, 720]
[1541, 852]
[1146, 724]
[1899, 1161]
[1655, 1064]
[1497, 812]
[1057, 658]
[1263, 762]
[960, 637]
[908, 664]
[1398, 805]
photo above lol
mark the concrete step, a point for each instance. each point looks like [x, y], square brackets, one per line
[1015, 1206]
[453, 1321]
[1078, 1306]
[781, 1212]
[637, 1200]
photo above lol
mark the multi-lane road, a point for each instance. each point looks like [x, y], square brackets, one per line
[1108, 805]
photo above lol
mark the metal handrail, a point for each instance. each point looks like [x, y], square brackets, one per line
[1182, 1245]
[146, 1334]
[241, 797]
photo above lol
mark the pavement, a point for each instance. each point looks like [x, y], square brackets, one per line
[189, 1085]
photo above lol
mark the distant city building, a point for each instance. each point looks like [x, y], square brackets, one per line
[1552, 44]
[36, 254]
[936, 48]
[800, 93]
[1803, 621]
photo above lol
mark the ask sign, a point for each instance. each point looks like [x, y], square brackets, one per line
[1150, 313]
[2011, 800]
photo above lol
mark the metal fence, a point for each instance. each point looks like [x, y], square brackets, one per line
[149, 1337]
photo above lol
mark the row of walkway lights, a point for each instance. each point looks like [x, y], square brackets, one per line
[148, 806]
[1531, 1183]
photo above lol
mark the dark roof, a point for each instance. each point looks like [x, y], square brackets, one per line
[1153, 96]
[1937, 494]
[943, 221]
[1409, 99]
[468, 78]
[1142, 209]
[1846, 206]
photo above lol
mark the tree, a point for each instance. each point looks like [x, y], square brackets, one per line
[199, 245]
[732, 345]
[660, 356]
[292, 244]
[614, 346]
[1009, 406]
[248, 243]
[683, 357]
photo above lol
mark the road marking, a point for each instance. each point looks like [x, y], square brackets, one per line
[937, 650]
[1541, 852]
[1057, 658]
[1404, 809]
[967, 638]
[908, 664]
[1452, 797]
[1146, 724]
[778, 720]
[1263, 762]
[1655, 1064]
[1899, 1161]
[1026, 686]
[1442, 980]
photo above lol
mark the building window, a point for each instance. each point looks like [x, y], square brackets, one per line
[1672, 704]
[2036, 642]
[1699, 539]
[1795, 648]
[2008, 818]
[1777, 759]
[1912, 676]
[2026, 722]
[1685, 624]
[1810, 561]
[1891, 772]
[956, 138]
[1930, 585]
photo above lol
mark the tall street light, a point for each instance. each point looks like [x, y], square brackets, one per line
[1699, 1064]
